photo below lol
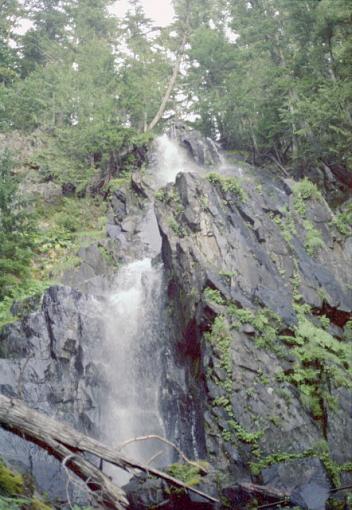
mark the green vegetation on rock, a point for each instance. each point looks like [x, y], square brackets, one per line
[229, 185]
[16, 494]
[220, 339]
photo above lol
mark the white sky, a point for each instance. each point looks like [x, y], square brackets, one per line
[160, 11]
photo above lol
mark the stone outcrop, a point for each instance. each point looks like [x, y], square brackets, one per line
[48, 359]
[250, 262]
[258, 303]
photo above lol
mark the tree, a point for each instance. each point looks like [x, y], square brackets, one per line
[272, 77]
[8, 56]
[16, 229]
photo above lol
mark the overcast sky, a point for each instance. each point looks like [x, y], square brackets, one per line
[161, 11]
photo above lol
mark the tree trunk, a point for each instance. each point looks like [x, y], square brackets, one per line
[69, 446]
[171, 84]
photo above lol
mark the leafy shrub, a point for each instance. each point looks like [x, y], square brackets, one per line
[227, 185]
[302, 191]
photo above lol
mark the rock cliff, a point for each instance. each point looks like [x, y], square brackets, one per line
[256, 329]
[259, 281]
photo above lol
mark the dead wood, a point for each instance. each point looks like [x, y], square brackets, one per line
[69, 446]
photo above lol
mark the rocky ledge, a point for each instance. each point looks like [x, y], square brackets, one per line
[259, 281]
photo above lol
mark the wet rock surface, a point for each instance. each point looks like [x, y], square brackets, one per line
[250, 250]
[47, 359]
[240, 258]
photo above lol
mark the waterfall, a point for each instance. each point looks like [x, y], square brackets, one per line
[171, 159]
[136, 339]
[132, 360]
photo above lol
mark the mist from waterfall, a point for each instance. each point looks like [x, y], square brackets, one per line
[171, 159]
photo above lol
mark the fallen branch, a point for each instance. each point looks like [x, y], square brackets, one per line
[63, 442]
[201, 468]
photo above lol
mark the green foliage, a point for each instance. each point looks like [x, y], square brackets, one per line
[290, 99]
[16, 494]
[16, 231]
[322, 361]
[12, 503]
[213, 295]
[161, 195]
[313, 240]
[343, 220]
[176, 227]
[302, 191]
[348, 331]
[266, 323]
[276, 458]
[220, 339]
[11, 483]
[61, 230]
[187, 473]
[227, 185]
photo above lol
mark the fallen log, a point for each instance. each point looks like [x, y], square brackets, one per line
[69, 446]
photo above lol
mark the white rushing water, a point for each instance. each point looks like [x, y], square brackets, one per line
[132, 361]
[171, 159]
[131, 353]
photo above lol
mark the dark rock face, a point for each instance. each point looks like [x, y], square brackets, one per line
[132, 227]
[241, 251]
[242, 264]
[47, 359]
[203, 151]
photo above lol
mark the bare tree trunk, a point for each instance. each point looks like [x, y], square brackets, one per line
[69, 446]
[171, 84]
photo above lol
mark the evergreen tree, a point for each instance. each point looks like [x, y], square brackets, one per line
[16, 229]
[9, 13]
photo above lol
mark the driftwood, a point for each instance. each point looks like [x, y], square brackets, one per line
[69, 446]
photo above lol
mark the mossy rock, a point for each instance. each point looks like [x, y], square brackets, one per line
[36, 504]
[11, 483]
[190, 474]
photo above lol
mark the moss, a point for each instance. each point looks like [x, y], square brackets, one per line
[11, 483]
[187, 473]
[36, 504]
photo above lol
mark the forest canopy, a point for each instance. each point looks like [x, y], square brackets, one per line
[272, 77]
